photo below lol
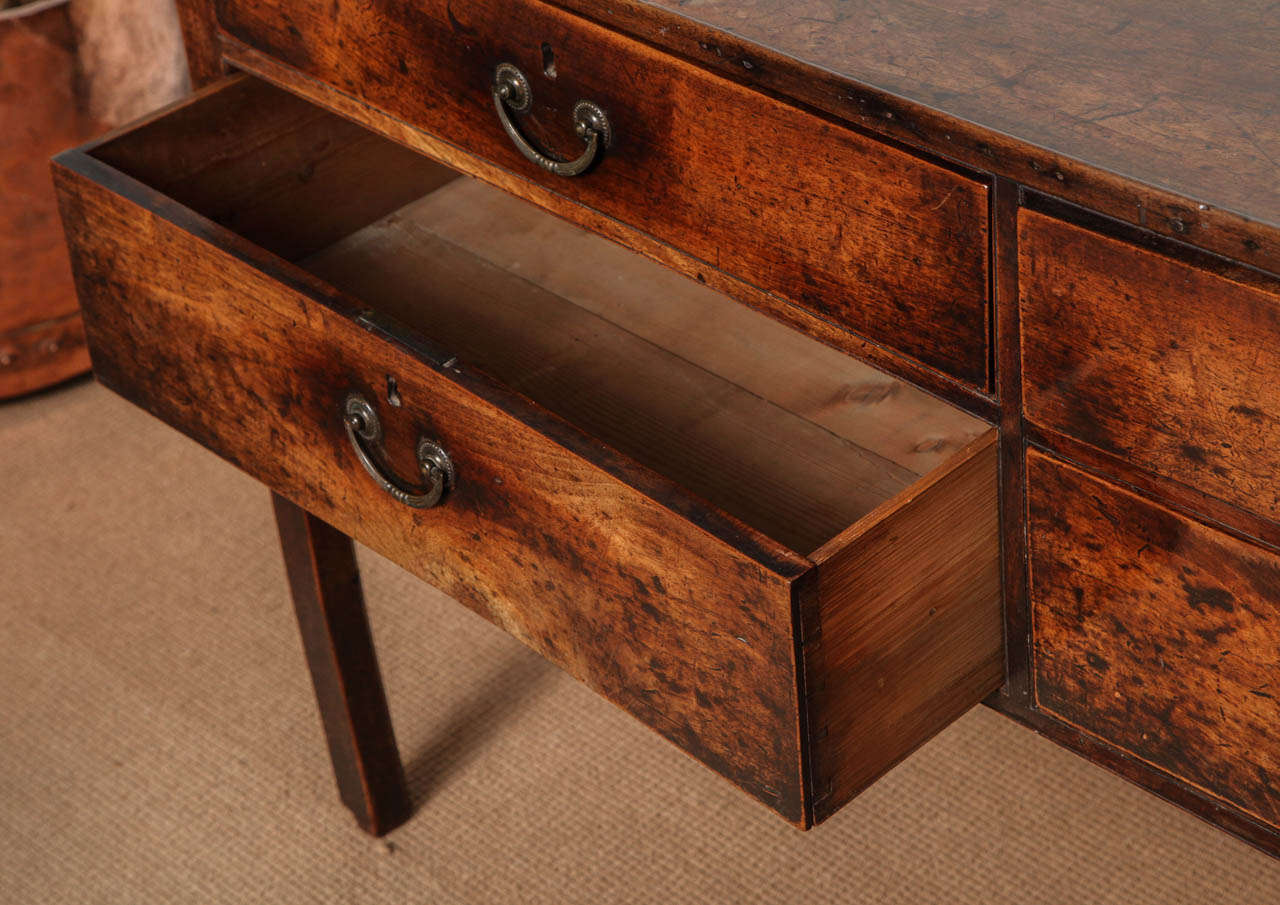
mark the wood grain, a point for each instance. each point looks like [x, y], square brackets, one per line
[854, 230]
[40, 114]
[326, 177]
[943, 386]
[1157, 634]
[1196, 136]
[66, 71]
[1160, 114]
[324, 581]
[1223, 516]
[1166, 363]
[704, 328]
[36, 356]
[697, 623]
[678, 615]
[909, 630]
[200, 38]
[687, 420]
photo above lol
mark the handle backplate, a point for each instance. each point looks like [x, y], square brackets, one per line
[364, 430]
[512, 94]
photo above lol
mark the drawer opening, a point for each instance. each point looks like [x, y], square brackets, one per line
[794, 438]
[780, 558]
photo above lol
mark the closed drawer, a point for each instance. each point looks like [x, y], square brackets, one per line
[1169, 364]
[861, 233]
[765, 573]
[1158, 634]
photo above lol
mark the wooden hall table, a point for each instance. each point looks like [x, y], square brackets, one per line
[1054, 225]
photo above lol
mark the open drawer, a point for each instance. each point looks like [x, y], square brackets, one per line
[780, 559]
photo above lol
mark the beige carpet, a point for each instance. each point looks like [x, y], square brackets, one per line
[159, 742]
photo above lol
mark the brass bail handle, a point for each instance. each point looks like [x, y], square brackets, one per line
[512, 94]
[364, 430]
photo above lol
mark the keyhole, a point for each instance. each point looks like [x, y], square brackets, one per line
[393, 392]
[548, 61]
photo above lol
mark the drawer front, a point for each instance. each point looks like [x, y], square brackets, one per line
[858, 232]
[1168, 365]
[1157, 633]
[676, 613]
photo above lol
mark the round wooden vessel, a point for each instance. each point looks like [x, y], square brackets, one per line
[68, 69]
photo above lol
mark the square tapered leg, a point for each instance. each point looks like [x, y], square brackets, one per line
[325, 582]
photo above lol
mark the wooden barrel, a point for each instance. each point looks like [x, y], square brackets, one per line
[68, 69]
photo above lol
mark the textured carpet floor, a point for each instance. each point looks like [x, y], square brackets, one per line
[159, 742]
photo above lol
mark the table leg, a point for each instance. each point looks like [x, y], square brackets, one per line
[323, 576]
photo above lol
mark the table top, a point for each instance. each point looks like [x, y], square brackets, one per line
[1181, 96]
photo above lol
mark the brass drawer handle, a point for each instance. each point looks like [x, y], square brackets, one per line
[364, 429]
[511, 91]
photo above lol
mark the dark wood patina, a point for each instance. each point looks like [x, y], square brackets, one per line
[1157, 634]
[41, 341]
[854, 230]
[661, 600]
[1161, 115]
[67, 71]
[1154, 355]
[1061, 218]
[320, 562]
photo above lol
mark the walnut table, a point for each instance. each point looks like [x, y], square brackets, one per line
[797, 375]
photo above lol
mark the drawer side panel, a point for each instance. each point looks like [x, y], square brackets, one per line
[909, 626]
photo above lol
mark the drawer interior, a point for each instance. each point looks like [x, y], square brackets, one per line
[783, 560]
[793, 438]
